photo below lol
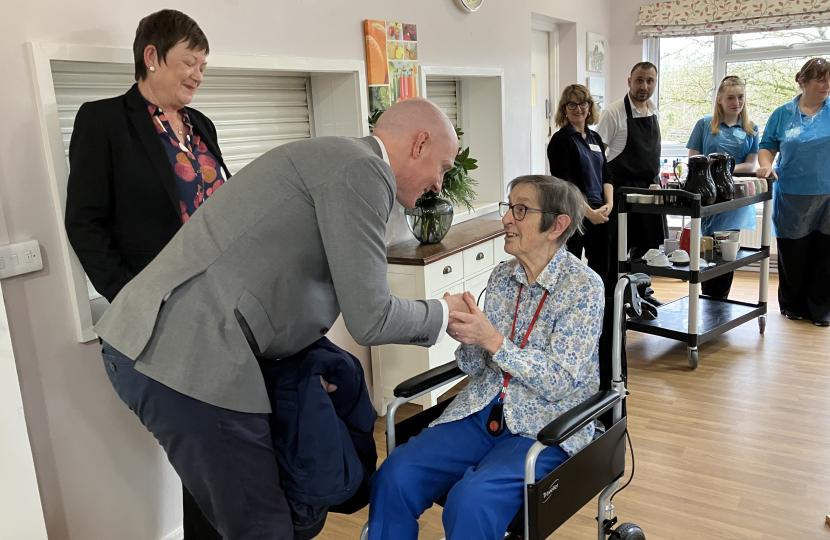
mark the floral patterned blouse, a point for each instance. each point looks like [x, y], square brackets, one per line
[198, 173]
[558, 368]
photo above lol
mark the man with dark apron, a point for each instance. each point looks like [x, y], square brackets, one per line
[634, 154]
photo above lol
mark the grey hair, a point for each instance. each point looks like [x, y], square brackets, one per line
[559, 197]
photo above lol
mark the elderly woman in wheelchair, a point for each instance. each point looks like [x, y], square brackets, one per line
[531, 355]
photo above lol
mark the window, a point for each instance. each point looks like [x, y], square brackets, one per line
[785, 38]
[691, 68]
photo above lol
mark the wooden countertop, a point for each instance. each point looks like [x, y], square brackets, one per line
[461, 236]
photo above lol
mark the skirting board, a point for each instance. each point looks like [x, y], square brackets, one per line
[178, 534]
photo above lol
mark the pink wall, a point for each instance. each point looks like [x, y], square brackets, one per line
[626, 45]
[101, 475]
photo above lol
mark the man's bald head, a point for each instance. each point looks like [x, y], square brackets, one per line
[421, 143]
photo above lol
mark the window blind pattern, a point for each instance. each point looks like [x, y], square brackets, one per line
[710, 17]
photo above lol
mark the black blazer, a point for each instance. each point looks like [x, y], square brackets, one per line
[122, 205]
[563, 157]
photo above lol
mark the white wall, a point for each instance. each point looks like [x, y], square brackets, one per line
[626, 45]
[100, 474]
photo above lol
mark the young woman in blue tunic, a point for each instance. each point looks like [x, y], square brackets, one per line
[728, 130]
[800, 132]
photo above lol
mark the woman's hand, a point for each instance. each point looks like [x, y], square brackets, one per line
[766, 172]
[474, 328]
[605, 209]
[595, 216]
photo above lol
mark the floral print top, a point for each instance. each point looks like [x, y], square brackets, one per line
[198, 173]
[559, 367]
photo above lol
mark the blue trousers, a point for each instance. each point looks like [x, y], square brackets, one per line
[483, 474]
[225, 458]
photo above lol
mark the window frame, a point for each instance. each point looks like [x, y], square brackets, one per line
[725, 54]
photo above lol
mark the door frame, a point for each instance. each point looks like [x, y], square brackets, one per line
[553, 68]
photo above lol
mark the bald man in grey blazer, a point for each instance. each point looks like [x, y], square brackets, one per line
[259, 273]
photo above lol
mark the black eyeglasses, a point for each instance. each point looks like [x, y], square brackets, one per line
[572, 105]
[519, 210]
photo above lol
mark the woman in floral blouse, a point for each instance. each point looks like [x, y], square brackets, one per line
[531, 355]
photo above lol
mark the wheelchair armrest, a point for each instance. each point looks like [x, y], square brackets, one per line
[577, 418]
[428, 380]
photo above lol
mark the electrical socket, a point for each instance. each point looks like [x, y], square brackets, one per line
[20, 258]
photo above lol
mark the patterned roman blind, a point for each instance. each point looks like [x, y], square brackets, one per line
[711, 17]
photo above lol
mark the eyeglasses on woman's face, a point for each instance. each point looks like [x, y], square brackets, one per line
[571, 105]
[519, 210]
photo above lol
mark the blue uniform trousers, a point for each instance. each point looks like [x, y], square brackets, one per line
[483, 474]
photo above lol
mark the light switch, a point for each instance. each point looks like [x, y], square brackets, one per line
[23, 256]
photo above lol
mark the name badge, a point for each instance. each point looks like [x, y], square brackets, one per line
[595, 147]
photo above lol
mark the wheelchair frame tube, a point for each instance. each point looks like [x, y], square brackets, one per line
[601, 508]
[392, 408]
[530, 478]
[616, 354]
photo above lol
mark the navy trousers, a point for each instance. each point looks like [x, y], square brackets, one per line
[225, 458]
[483, 474]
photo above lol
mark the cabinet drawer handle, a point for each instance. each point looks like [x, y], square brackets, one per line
[480, 256]
[447, 270]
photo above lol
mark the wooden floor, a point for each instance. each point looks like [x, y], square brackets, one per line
[738, 449]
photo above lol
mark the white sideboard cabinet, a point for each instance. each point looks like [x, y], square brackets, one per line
[462, 262]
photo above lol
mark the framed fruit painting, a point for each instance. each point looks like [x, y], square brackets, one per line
[391, 62]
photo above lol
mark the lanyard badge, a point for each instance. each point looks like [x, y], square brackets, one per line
[495, 423]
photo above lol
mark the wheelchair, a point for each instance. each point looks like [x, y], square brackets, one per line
[596, 469]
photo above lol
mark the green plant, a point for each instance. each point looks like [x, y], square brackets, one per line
[458, 186]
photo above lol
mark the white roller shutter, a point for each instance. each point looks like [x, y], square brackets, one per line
[253, 110]
[444, 93]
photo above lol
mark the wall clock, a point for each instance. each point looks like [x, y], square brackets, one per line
[469, 5]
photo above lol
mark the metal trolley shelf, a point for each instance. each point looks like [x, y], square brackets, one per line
[696, 319]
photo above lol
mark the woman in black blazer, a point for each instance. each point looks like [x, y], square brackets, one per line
[140, 165]
[577, 154]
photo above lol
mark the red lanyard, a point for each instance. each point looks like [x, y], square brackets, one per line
[507, 376]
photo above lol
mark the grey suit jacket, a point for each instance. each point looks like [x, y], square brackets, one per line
[263, 269]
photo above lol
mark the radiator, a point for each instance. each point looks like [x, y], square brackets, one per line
[753, 239]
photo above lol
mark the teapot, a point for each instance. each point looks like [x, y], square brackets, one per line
[723, 165]
[699, 179]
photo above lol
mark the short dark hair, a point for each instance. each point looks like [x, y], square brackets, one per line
[165, 29]
[644, 65]
[816, 69]
[556, 197]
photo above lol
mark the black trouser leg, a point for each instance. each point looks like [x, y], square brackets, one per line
[597, 245]
[817, 284]
[718, 287]
[195, 524]
[793, 263]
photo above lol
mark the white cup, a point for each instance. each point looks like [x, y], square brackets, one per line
[670, 245]
[646, 199]
[729, 249]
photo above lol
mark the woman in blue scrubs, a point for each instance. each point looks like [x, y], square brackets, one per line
[728, 130]
[800, 132]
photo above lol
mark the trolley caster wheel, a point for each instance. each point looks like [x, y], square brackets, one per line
[762, 323]
[630, 531]
[693, 358]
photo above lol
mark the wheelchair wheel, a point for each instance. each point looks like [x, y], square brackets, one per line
[692, 358]
[630, 531]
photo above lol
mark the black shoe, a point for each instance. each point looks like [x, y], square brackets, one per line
[821, 323]
[790, 315]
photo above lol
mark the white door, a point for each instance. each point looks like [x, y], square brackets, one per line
[540, 101]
